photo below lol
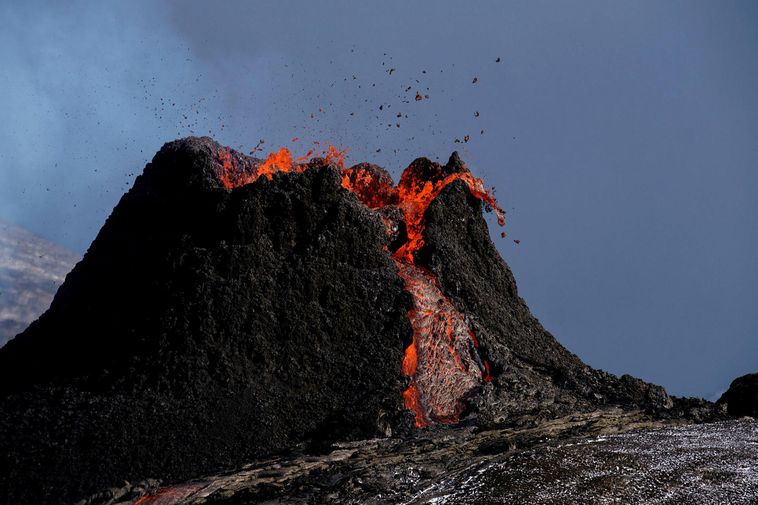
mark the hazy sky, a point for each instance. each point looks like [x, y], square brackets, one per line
[622, 138]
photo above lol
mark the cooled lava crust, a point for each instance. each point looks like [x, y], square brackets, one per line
[231, 308]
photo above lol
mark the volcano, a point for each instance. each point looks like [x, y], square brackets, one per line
[233, 308]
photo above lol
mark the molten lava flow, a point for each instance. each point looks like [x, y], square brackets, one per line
[170, 495]
[371, 184]
[443, 361]
[232, 175]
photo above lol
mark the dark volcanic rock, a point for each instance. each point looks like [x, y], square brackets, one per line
[534, 374]
[203, 328]
[741, 398]
[207, 327]
[602, 457]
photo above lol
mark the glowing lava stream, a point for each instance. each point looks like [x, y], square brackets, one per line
[170, 495]
[443, 361]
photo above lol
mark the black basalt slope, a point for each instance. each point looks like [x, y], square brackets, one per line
[534, 374]
[205, 327]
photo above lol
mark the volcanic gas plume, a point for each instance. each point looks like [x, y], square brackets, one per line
[443, 361]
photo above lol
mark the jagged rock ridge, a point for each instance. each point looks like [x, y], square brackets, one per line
[741, 399]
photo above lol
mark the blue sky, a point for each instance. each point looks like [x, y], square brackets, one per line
[622, 138]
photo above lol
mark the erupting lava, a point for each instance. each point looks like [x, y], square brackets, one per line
[233, 176]
[443, 361]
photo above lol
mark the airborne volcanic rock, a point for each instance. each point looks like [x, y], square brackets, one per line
[220, 317]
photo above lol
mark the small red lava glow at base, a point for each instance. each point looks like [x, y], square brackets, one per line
[170, 495]
[443, 361]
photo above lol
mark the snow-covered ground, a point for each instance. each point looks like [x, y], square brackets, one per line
[697, 464]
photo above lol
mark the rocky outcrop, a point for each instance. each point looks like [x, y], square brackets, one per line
[741, 399]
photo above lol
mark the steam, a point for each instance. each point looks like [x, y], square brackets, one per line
[94, 89]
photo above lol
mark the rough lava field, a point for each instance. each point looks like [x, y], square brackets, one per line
[605, 457]
[695, 464]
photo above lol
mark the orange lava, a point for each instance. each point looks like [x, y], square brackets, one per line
[443, 361]
[446, 364]
[170, 495]
[373, 187]
[417, 193]
[334, 155]
[232, 176]
[280, 161]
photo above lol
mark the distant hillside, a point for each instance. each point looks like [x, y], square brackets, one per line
[31, 269]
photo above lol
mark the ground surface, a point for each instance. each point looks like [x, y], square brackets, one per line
[590, 458]
[707, 464]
